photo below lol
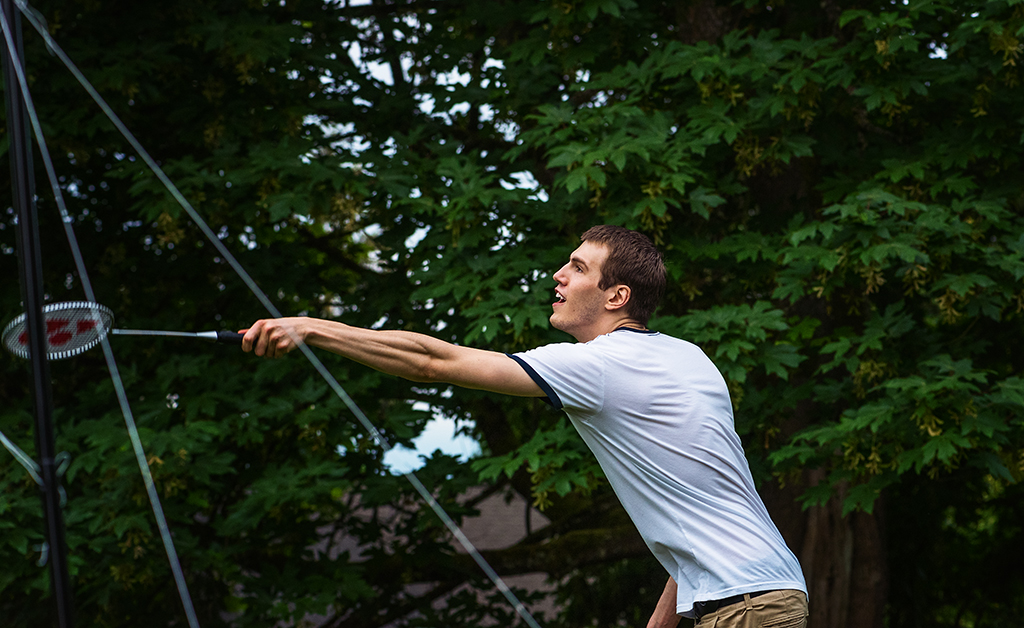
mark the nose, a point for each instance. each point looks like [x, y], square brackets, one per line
[560, 275]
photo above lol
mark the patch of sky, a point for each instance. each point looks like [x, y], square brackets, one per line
[438, 434]
[428, 104]
[461, 108]
[248, 237]
[599, 99]
[368, 233]
[454, 78]
[525, 180]
[389, 148]
[509, 130]
[416, 237]
[377, 69]
[505, 236]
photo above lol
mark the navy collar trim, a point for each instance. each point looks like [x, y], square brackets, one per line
[636, 331]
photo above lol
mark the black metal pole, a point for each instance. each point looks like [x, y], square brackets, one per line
[31, 269]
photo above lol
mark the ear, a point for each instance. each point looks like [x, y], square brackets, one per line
[619, 298]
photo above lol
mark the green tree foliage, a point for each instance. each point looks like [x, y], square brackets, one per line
[837, 191]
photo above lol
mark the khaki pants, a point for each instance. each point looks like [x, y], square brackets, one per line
[778, 609]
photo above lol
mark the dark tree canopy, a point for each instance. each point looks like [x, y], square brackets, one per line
[837, 191]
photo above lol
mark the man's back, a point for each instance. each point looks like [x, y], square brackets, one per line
[657, 414]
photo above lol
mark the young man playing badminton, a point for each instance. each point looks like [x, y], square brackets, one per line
[653, 409]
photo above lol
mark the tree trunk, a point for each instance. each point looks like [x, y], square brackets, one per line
[843, 558]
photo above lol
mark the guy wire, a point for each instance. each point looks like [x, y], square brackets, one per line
[32, 18]
[133, 432]
[24, 459]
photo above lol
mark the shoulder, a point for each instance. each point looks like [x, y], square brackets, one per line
[653, 350]
[559, 352]
[571, 375]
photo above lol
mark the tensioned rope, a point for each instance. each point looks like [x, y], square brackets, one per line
[63, 460]
[122, 397]
[425, 494]
[26, 461]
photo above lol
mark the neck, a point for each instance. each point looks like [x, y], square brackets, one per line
[606, 327]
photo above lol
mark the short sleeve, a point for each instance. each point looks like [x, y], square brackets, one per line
[571, 375]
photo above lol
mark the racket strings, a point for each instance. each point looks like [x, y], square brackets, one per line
[250, 283]
[72, 327]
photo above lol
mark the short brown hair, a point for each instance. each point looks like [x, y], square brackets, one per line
[633, 261]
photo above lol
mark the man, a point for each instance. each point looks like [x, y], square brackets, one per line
[653, 409]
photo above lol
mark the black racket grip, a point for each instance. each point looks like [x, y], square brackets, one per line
[230, 337]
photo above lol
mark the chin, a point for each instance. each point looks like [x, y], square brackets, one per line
[553, 319]
[560, 325]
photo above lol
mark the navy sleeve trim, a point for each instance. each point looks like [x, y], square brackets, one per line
[551, 398]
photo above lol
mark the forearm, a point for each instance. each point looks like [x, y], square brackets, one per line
[664, 615]
[414, 356]
[405, 354]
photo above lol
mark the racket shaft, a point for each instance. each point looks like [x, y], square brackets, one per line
[227, 337]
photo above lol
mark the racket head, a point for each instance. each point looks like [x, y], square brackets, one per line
[72, 327]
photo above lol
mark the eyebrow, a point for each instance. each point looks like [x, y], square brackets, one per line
[579, 261]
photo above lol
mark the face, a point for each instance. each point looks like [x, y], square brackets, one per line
[579, 302]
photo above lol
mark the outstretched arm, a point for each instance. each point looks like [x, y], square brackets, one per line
[410, 355]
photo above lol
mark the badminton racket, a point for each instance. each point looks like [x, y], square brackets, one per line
[73, 327]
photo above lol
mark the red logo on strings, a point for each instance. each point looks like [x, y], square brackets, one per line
[60, 331]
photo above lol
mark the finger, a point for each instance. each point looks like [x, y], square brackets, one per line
[262, 342]
[257, 337]
[271, 350]
[252, 336]
[282, 342]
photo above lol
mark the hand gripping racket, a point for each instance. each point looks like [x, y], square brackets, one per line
[73, 327]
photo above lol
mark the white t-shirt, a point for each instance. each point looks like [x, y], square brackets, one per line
[656, 413]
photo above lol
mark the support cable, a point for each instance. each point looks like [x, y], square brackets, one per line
[35, 20]
[24, 459]
[30, 271]
[133, 432]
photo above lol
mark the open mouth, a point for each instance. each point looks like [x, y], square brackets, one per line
[559, 298]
